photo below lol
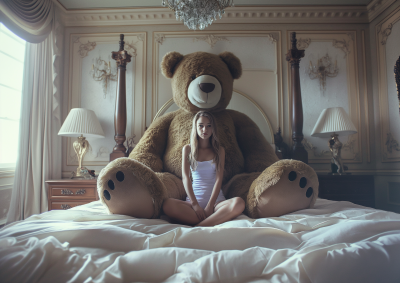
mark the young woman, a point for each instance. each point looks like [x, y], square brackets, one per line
[204, 158]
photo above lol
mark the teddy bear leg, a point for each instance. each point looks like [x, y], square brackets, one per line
[128, 187]
[284, 187]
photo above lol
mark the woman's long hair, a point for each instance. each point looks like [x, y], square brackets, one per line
[194, 140]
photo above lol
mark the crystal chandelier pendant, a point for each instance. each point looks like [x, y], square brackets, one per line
[198, 14]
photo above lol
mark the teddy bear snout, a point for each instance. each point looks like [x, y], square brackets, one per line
[207, 87]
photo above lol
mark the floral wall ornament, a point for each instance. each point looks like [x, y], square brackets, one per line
[303, 43]
[102, 72]
[391, 143]
[131, 48]
[322, 70]
[211, 39]
[343, 45]
[273, 37]
[385, 33]
[159, 38]
[84, 48]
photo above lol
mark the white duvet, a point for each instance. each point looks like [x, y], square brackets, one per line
[334, 242]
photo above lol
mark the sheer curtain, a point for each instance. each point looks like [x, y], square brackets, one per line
[39, 146]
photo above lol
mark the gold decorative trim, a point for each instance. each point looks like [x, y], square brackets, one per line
[303, 43]
[211, 39]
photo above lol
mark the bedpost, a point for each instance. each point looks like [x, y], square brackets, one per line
[293, 56]
[122, 57]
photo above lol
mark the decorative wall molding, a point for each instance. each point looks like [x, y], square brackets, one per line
[390, 150]
[7, 172]
[255, 14]
[84, 48]
[343, 45]
[342, 40]
[313, 149]
[376, 7]
[211, 39]
[303, 43]
[391, 143]
[159, 38]
[274, 37]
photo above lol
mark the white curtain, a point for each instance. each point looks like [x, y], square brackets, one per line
[39, 146]
[29, 19]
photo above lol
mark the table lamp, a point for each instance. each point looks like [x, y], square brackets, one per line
[332, 122]
[81, 122]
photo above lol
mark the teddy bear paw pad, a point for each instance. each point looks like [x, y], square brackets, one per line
[120, 177]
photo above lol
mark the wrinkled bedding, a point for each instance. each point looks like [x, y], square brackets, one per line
[334, 242]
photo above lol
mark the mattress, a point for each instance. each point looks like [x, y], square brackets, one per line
[333, 242]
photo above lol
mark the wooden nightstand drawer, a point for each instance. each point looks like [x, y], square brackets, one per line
[67, 193]
[65, 204]
[74, 192]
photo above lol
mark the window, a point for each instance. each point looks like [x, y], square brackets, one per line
[12, 53]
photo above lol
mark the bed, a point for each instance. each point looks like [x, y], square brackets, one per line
[333, 242]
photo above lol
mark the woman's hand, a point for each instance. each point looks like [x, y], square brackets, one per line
[209, 209]
[199, 211]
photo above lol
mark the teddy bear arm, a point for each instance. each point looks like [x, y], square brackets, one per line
[257, 152]
[151, 147]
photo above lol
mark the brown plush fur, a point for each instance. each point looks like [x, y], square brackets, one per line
[271, 176]
[156, 188]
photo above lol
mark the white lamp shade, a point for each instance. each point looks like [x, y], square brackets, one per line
[333, 120]
[81, 121]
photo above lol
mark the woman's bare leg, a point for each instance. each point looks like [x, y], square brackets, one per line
[224, 211]
[180, 211]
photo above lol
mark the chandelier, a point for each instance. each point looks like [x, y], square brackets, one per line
[198, 14]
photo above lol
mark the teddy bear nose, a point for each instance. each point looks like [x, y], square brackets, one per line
[207, 87]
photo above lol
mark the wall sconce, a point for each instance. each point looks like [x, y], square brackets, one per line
[322, 70]
[102, 72]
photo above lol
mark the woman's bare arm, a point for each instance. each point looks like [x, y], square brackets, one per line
[187, 183]
[218, 179]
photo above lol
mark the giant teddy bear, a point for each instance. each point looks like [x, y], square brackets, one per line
[138, 185]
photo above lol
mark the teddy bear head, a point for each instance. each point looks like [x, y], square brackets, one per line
[200, 80]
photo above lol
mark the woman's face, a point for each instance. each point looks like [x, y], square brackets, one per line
[204, 128]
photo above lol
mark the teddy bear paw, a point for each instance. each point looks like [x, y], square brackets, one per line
[122, 188]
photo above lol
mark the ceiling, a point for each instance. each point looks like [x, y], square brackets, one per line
[98, 4]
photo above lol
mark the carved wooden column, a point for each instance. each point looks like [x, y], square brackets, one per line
[122, 57]
[293, 56]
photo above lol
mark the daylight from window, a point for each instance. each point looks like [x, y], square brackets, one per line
[12, 53]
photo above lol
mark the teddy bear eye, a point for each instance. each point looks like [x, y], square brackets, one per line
[193, 77]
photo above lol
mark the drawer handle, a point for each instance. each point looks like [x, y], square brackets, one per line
[67, 192]
[81, 192]
[65, 206]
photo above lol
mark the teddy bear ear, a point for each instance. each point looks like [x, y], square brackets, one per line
[233, 62]
[169, 62]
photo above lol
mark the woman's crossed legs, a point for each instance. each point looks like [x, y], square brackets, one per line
[182, 212]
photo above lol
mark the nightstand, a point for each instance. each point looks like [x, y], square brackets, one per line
[358, 189]
[67, 193]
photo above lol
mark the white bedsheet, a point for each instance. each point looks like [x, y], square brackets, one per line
[335, 242]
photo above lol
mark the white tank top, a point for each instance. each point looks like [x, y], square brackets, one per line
[203, 181]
